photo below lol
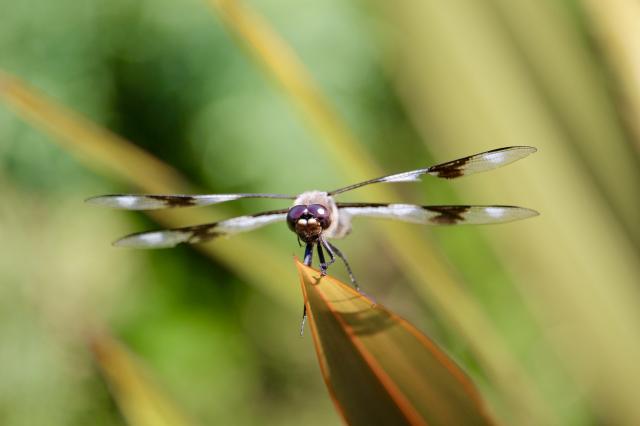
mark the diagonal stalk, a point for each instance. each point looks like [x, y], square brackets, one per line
[105, 152]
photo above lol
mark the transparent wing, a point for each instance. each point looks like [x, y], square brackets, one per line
[438, 215]
[200, 233]
[155, 202]
[482, 162]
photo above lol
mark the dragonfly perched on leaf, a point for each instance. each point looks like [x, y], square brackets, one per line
[315, 217]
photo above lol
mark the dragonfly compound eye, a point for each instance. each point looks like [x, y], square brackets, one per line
[295, 214]
[321, 214]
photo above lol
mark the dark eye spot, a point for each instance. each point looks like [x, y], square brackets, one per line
[294, 214]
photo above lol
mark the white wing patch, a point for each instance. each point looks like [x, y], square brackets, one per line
[248, 223]
[496, 157]
[496, 212]
[154, 239]
[411, 176]
[404, 212]
[126, 201]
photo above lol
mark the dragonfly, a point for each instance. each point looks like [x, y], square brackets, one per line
[315, 217]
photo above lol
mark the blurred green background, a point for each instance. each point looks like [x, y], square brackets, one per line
[544, 314]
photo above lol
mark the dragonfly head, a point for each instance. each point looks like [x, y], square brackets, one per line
[308, 221]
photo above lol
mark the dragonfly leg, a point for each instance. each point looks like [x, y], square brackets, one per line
[323, 263]
[308, 254]
[325, 244]
[308, 258]
[304, 319]
[334, 250]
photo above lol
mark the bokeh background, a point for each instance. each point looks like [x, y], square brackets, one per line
[285, 96]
